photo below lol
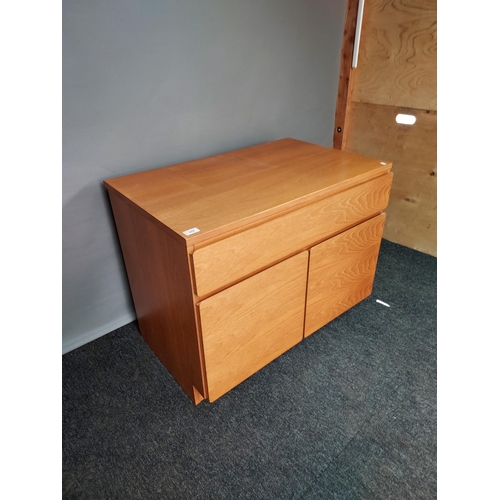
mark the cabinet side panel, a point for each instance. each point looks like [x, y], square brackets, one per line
[158, 273]
[341, 272]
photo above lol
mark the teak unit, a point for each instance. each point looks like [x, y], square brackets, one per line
[235, 258]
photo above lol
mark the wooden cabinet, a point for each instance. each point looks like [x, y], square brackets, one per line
[235, 258]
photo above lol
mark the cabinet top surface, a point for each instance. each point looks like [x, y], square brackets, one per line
[230, 190]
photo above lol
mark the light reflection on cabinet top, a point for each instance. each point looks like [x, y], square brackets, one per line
[231, 190]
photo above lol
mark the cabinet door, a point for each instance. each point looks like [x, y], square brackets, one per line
[341, 272]
[251, 323]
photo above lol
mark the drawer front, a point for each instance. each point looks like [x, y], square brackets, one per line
[238, 256]
[341, 272]
[251, 323]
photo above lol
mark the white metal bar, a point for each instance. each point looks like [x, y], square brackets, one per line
[357, 36]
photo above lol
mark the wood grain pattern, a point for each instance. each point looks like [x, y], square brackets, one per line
[231, 190]
[249, 324]
[341, 272]
[244, 253]
[259, 210]
[398, 54]
[344, 91]
[158, 272]
[412, 209]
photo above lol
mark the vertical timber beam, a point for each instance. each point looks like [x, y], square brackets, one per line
[346, 76]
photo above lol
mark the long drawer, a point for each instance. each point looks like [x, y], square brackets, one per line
[229, 260]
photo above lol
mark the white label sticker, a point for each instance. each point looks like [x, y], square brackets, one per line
[191, 231]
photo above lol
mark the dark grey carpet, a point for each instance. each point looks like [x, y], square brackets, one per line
[348, 413]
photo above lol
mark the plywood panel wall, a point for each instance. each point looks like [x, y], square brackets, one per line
[412, 210]
[396, 73]
[398, 54]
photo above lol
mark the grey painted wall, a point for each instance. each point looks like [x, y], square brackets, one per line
[157, 82]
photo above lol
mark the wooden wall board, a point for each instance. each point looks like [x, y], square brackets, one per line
[412, 210]
[398, 54]
[346, 76]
